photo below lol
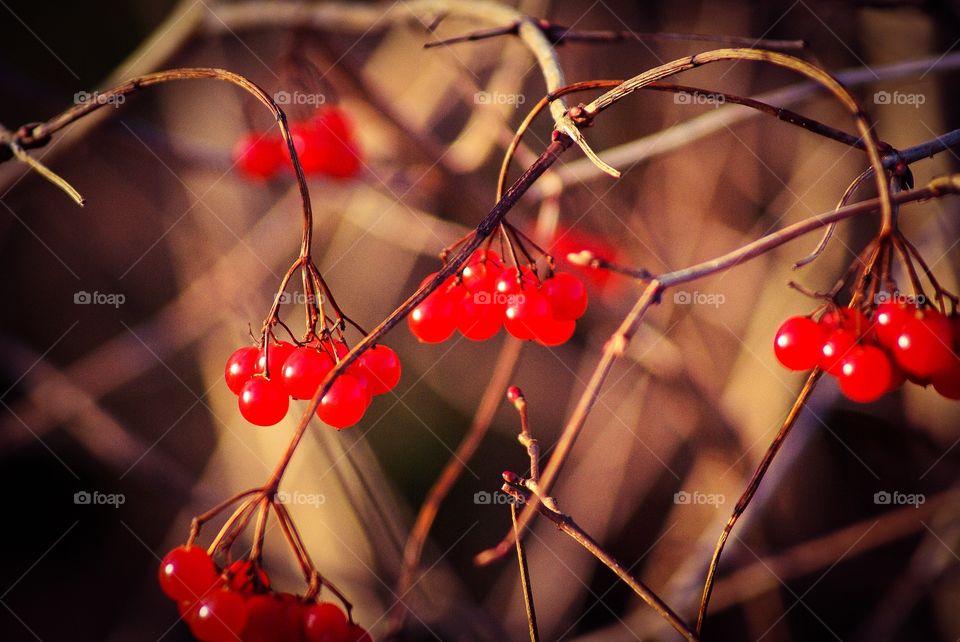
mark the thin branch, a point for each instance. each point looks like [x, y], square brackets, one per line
[525, 580]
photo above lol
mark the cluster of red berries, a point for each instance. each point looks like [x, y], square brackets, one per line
[236, 604]
[265, 379]
[487, 296]
[870, 357]
[325, 145]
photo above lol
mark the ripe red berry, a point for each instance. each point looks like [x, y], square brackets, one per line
[324, 622]
[846, 319]
[924, 344]
[343, 158]
[434, 320]
[798, 343]
[865, 374]
[380, 368]
[888, 319]
[272, 356]
[836, 346]
[258, 155]
[263, 402]
[304, 370]
[482, 270]
[241, 365]
[479, 314]
[554, 332]
[567, 295]
[218, 616]
[507, 281]
[345, 402]
[186, 573]
[244, 576]
[527, 314]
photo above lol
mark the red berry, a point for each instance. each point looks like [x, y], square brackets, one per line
[263, 402]
[345, 402]
[837, 345]
[846, 319]
[924, 345]
[479, 315]
[865, 374]
[567, 295]
[798, 343]
[527, 314]
[482, 270]
[554, 332]
[304, 370]
[434, 320]
[507, 281]
[266, 619]
[258, 155]
[380, 368]
[243, 576]
[325, 622]
[241, 365]
[357, 633]
[186, 573]
[219, 616]
[325, 145]
[272, 356]
[888, 319]
[947, 383]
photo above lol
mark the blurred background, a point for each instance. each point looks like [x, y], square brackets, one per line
[128, 399]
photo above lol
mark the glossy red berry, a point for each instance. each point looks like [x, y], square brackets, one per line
[259, 156]
[836, 346]
[218, 616]
[865, 374]
[527, 314]
[186, 573]
[434, 319]
[798, 343]
[554, 332]
[304, 370]
[567, 295]
[263, 402]
[479, 315]
[241, 365]
[345, 402]
[380, 368]
[272, 356]
[924, 345]
[888, 319]
[324, 622]
[507, 282]
[482, 270]
[846, 319]
[343, 158]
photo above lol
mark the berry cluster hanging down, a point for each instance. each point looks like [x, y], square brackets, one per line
[870, 357]
[236, 604]
[487, 295]
[265, 379]
[325, 145]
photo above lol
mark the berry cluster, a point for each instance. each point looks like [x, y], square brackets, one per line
[487, 295]
[265, 379]
[325, 145]
[870, 357]
[236, 603]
